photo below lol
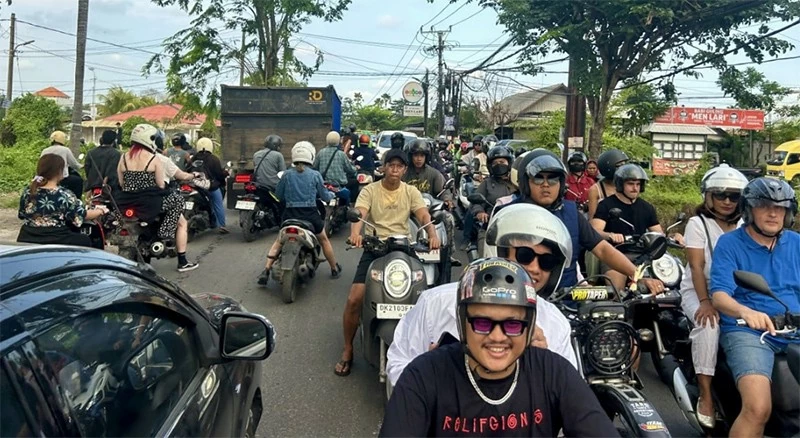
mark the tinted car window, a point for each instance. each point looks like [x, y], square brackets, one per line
[386, 140]
[793, 159]
[122, 373]
[14, 423]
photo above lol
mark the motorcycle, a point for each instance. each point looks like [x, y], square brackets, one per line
[198, 210]
[137, 237]
[257, 214]
[335, 213]
[99, 228]
[609, 330]
[394, 282]
[466, 186]
[299, 257]
[475, 249]
[437, 263]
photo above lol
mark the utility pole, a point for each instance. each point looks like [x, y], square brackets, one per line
[439, 48]
[576, 116]
[425, 85]
[11, 34]
[241, 62]
[94, 108]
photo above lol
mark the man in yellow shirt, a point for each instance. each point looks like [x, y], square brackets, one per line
[387, 204]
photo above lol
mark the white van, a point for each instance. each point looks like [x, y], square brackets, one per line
[384, 140]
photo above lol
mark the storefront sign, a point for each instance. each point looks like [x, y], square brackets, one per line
[717, 117]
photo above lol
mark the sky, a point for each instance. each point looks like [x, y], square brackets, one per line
[390, 29]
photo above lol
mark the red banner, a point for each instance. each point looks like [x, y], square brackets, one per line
[721, 118]
[666, 167]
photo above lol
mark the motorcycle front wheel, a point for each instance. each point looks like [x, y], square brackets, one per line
[246, 222]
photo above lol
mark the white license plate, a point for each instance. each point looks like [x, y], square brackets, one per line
[432, 256]
[392, 311]
[245, 205]
[333, 202]
[189, 205]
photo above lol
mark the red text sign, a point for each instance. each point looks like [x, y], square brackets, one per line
[722, 118]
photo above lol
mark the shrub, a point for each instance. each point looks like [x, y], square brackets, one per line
[29, 119]
[18, 164]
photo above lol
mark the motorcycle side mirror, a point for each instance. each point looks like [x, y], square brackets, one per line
[353, 215]
[681, 217]
[755, 282]
[476, 198]
[615, 213]
[437, 217]
[655, 245]
[450, 182]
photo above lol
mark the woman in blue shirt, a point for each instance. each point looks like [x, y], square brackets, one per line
[298, 190]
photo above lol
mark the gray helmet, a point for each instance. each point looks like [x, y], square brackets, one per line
[628, 172]
[273, 142]
[768, 191]
[495, 281]
[550, 163]
[519, 166]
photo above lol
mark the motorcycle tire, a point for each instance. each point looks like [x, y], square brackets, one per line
[246, 222]
[289, 283]
[330, 225]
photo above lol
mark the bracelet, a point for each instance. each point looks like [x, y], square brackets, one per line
[705, 299]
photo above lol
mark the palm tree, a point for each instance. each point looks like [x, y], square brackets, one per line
[80, 61]
[118, 100]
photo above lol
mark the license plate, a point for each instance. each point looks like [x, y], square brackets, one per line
[245, 205]
[189, 205]
[333, 202]
[392, 311]
[432, 256]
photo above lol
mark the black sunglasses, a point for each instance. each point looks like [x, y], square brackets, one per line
[484, 326]
[540, 178]
[721, 196]
[525, 255]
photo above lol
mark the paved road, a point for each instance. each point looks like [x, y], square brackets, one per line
[302, 395]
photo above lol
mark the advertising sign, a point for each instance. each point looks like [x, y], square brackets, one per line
[412, 92]
[413, 111]
[667, 167]
[718, 117]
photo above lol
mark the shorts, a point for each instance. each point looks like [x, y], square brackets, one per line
[308, 214]
[363, 265]
[746, 355]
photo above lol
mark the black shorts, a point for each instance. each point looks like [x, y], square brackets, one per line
[367, 258]
[309, 214]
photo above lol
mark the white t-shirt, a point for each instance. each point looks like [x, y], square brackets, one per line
[169, 168]
[695, 237]
[435, 313]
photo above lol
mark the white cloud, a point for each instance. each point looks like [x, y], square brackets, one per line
[388, 21]
[26, 64]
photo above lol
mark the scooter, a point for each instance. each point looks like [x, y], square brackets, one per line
[99, 228]
[466, 186]
[437, 263]
[257, 214]
[298, 259]
[394, 282]
[335, 210]
[137, 237]
[198, 210]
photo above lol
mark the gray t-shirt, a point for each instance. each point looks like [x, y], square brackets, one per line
[66, 154]
[266, 171]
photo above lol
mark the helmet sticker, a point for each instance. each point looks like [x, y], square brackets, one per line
[530, 293]
[499, 263]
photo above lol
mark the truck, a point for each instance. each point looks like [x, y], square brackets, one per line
[250, 114]
[785, 162]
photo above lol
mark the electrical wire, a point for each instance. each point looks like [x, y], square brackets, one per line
[121, 46]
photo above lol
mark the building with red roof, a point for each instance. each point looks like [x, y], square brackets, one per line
[56, 95]
[164, 115]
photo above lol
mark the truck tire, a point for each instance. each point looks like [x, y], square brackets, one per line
[246, 222]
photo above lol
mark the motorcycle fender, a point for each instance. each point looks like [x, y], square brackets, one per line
[685, 402]
[385, 330]
[631, 404]
[289, 254]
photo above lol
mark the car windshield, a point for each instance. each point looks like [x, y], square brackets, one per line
[777, 158]
[386, 140]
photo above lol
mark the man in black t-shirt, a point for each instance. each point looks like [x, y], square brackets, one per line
[489, 383]
[101, 163]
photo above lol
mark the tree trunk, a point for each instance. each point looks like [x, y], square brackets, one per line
[598, 107]
[80, 61]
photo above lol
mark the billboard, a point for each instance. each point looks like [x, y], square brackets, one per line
[667, 167]
[717, 117]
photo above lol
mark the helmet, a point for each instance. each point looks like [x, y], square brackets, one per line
[577, 161]
[722, 178]
[418, 147]
[178, 139]
[333, 138]
[466, 147]
[58, 137]
[273, 142]
[352, 128]
[500, 152]
[159, 141]
[533, 224]
[477, 141]
[442, 139]
[364, 140]
[768, 191]
[205, 144]
[443, 146]
[490, 140]
[628, 172]
[608, 160]
[145, 135]
[480, 282]
[398, 140]
[545, 161]
[303, 152]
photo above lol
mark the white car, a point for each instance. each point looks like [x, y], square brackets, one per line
[384, 140]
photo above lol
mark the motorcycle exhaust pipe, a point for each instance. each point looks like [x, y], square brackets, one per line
[303, 271]
[157, 248]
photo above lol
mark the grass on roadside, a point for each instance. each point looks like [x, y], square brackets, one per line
[9, 200]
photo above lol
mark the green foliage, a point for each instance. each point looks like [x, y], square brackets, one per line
[545, 131]
[128, 126]
[30, 118]
[637, 148]
[380, 116]
[783, 131]
[18, 164]
[751, 89]
[118, 100]
[637, 106]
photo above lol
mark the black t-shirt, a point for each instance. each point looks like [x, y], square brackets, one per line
[641, 214]
[588, 236]
[434, 397]
[101, 162]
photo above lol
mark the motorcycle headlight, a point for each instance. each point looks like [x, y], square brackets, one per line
[611, 347]
[397, 279]
[667, 270]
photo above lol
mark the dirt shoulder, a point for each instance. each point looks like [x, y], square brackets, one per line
[9, 224]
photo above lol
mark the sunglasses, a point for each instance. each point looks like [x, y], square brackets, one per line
[525, 256]
[721, 196]
[484, 326]
[551, 179]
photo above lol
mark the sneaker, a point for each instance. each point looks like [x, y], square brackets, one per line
[263, 278]
[223, 230]
[336, 273]
[188, 266]
[454, 262]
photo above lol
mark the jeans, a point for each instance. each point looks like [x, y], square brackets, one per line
[219, 209]
[746, 355]
[469, 227]
[344, 195]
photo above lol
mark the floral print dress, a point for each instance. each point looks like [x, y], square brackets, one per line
[51, 208]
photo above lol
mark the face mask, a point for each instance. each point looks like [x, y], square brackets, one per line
[577, 166]
[500, 169]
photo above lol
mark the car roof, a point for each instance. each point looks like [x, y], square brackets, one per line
[405, 133]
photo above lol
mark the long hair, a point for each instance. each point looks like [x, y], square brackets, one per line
[50, 166]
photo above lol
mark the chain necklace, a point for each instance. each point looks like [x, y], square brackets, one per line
[482, 395]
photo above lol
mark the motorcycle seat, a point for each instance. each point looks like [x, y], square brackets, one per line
[793, 360]
[306, 225]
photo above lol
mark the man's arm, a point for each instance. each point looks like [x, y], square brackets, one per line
[71, 161]
[438, 184]
[483, 189]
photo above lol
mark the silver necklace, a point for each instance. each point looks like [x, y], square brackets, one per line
[482, 395]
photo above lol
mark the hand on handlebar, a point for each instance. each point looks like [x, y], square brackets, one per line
[482, 217]
[758, 321]
[433, 242]
[678, 238]
[616, 238]
[653, 285]
[355, 240]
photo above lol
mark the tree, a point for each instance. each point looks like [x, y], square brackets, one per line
[378, 116]
[634, 107]
[80, 63]
[613, 41]
[118, 100]
[30, 118]
[194, 57]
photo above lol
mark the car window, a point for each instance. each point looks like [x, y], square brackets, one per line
[793, 159]
[122, 373]
[14, 420]
[386, 140]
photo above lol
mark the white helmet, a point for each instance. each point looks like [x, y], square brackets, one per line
[533, 224]
[145, 135]
[303, 152]
[205, 144]
[332, 138]
[722, 178]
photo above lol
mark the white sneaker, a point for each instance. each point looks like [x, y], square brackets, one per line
[189, 266]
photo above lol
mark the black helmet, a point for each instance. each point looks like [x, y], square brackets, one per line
[577, 161]
[273, 142]
[768, 191]
[495, 281]
[418, 146]
[500, 152]
[478, 139]
[397, 140]
[352, 128]
[159, 140]
[179, 140]
[545, 162]
[607, 162]
[628, 172]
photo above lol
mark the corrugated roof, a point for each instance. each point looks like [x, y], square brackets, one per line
[51, 92]
[160, 113]
[669, 128]
[518, 103]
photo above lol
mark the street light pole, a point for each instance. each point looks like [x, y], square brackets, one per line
[94, 108]
[12, 52]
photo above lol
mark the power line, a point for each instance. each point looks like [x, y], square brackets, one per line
[121, 46]
[445, 18]
[476, 13]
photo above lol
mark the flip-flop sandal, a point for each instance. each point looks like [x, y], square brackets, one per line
[346, 365]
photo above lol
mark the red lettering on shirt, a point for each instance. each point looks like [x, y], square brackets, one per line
[483, 423]
[447, 424]
[479, 425]
[523, 419]
[537, 416]
[493, 423]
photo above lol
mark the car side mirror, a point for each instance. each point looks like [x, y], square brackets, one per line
[353, 215]
[148, 365]
[615, 213]
[246, 336]
[476, 198]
